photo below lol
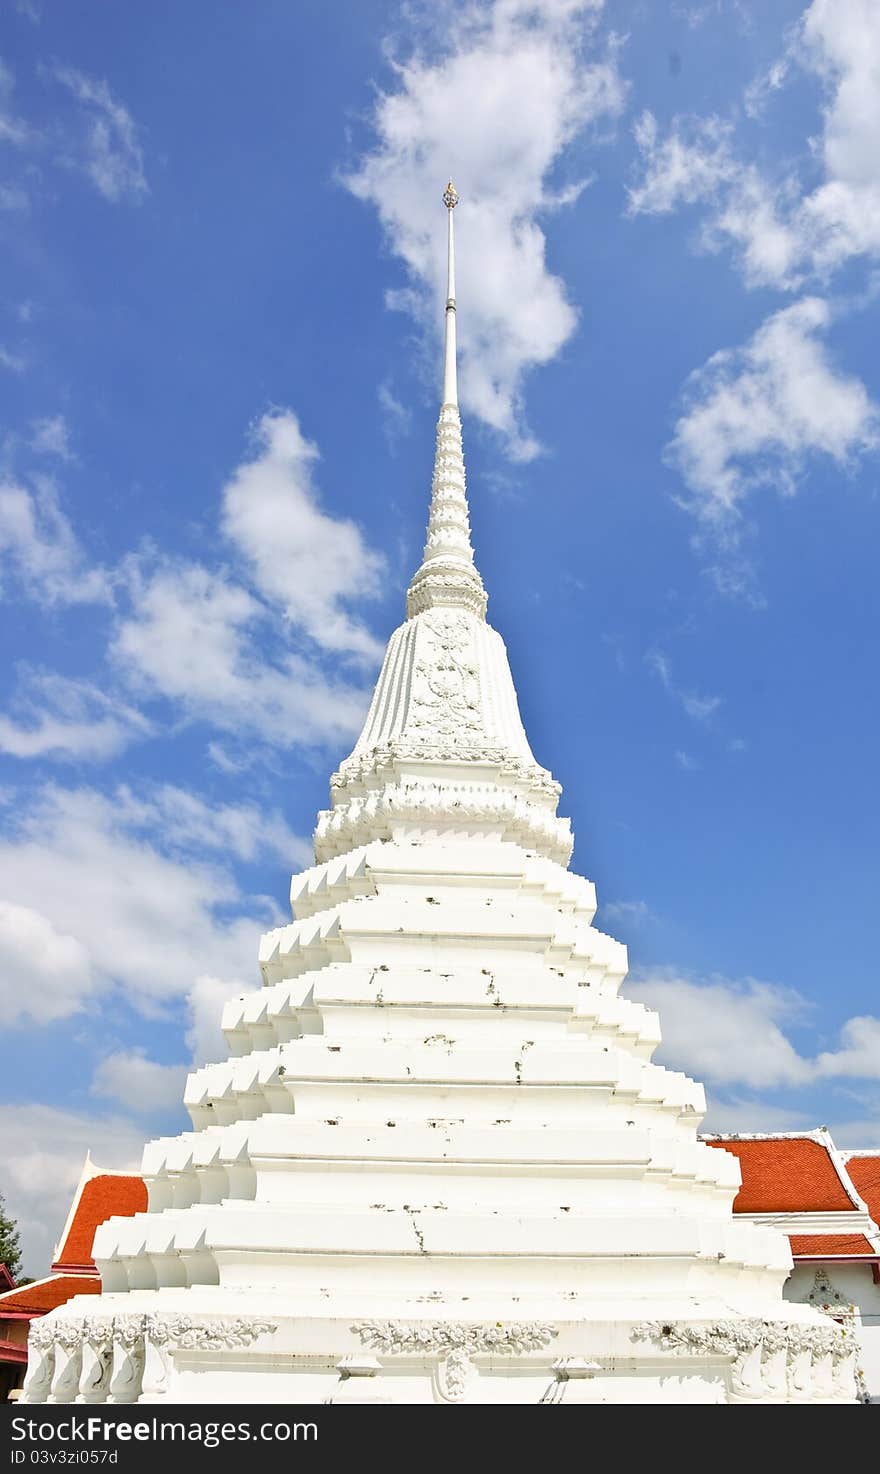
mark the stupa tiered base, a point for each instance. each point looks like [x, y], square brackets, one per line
[439, 1166]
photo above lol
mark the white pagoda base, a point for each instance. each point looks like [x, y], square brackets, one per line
[439, 1167]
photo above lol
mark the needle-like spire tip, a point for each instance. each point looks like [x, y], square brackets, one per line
[447, 576]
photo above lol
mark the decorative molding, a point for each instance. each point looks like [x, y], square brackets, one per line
[739, 1337]
[441, 1337]
[775, 1361]
[426, 804]
[179, 1331]
[454, 1343]
[367, 765]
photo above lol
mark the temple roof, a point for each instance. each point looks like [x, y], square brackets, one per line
[41, 1296]
[99, 1195]
[863, 1169]
[788, 1174]
[803, 1174]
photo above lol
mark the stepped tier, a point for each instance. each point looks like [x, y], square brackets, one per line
[439, 1121]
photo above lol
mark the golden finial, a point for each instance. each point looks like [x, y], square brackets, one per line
[450, 196]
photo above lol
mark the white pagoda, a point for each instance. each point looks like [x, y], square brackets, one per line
[438, 1165]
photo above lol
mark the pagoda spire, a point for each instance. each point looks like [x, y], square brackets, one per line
[448, 576]
[450, 366]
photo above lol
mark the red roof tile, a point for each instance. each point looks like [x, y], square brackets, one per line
[47, 1294]
[109, 1195]
[864, 1173]
[786, 1175]
[830, 1244]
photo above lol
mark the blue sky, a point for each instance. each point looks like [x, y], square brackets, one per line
[219, 322]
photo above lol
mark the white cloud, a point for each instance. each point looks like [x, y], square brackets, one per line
[841, 44]
[112, 156]
[859, 1054]
[51, 437]
[753, 415]
[13, 129]
[190, 823]
[725, 1032]
[207, 999]
[45, 973]
[190, 637]
[149, 914]
[696, 163]
[512, 85]
[138, 1083]
[684, 760]
[57, 717]
[45, 1148]
[39, 545]
[734, 1033]
[12, 361]
[781, 230]
[306, 562]
[396, 417]
[700, 708]
[633, 913]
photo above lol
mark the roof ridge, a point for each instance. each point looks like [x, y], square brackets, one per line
[820, 1134]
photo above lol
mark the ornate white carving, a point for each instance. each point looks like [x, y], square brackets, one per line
[97, 1358]
[454, 1344]
[817, 1359]
[454, 1376]
[445, 695]
[206, 1335]
[379, 762]
[735, 1337]
[41, 1361]
[394, 1336]
[826, 1298]
[447, 575]
[128, 1358]
[428, 805]
[68, 1333]
[128, 1330]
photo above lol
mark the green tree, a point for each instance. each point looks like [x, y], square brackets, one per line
[10, 1247]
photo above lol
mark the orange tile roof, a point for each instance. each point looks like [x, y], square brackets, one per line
[47, 1294]
[108, 1195]
[786, 1175]
[829, 1244]
[100, 1195]
[865, 1175]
